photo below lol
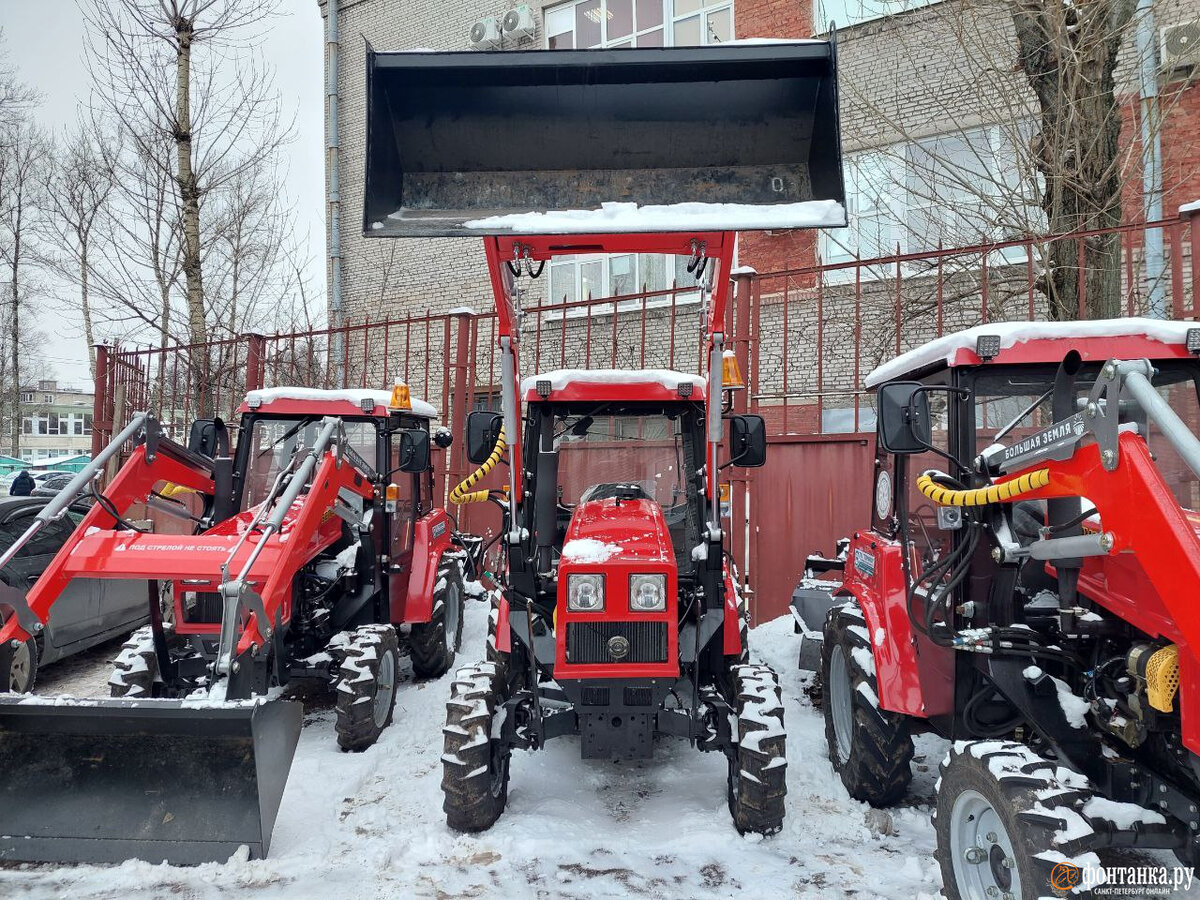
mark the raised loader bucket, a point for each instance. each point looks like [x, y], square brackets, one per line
[109, 780]
[473, 143]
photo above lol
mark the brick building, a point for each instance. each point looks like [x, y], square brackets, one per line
[936, 121]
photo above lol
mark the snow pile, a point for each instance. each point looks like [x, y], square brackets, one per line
[629, 217]
[348, 395]
[561, 378]
[946, 349]
[588, 551]
[1122, 815]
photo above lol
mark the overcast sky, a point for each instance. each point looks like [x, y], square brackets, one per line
[44, 40]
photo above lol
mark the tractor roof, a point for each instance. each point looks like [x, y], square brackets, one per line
[314, 401]
[1044, 342]
[567, 385]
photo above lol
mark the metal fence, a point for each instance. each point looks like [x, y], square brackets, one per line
[805, 339]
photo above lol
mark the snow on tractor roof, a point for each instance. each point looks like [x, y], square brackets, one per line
[614, 384]
[958, 349]
[268, 396]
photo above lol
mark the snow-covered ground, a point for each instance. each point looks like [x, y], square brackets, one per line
[370, 825]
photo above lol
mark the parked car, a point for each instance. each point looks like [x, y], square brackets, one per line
[90, 610]
[51, 484]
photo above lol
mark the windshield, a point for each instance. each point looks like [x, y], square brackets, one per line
[276, 443]
[1023, 397]
[603, 451]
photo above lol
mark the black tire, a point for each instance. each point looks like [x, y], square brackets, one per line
[135, 670]
[1020, 814]
[757, 782]
[743, 608]
[434, 644]
[20, 667]
[366, 685]
[474, 765]
[871, 749]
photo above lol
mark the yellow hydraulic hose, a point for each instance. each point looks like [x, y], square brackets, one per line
[996, 493]
[462, 492]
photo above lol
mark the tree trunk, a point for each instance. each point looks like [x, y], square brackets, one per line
[14, 399]
[189, 194]
[1068, 53]
[85, 308]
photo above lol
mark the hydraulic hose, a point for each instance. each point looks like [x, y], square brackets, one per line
[995, 493]
[462, 492]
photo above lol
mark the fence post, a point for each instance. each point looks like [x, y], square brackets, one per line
[100, 400]
[741, 509]
[460, 398]
[1192, 217]
[255, 361]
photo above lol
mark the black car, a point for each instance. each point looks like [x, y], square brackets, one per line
[52, 484]
[90, 610]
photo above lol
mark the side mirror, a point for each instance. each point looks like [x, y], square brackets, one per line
[904, 421]
[483, 427]
[747, 441]
[209, 437]
[414, 450]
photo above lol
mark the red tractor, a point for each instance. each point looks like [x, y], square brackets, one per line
[618, 620]
[1025, 589]
[304, 550]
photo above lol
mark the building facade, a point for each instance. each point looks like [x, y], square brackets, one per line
[56, 421]
[937, 126]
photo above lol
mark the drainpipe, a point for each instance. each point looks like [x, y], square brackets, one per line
[1151, 134]
[334, 200]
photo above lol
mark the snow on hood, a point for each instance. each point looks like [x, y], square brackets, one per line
[946, 348]
[560, 378]
[629, 217]
[347, 395]
[588, 551]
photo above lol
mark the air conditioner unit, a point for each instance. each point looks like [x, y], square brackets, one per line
[519, 23]
[485, 34]
[1180, 45]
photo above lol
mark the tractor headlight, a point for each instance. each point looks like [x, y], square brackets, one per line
[648, 593]
[585, 593]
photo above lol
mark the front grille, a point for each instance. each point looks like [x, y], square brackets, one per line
[639, 696]
[593, 696]
[588, 642]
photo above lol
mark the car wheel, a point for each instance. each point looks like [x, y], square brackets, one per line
[21, 662]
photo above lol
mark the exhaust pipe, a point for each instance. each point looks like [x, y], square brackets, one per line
[102, 781]
[457, 140]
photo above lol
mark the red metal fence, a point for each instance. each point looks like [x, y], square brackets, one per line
[805, 339]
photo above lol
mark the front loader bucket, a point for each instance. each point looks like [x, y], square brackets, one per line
[108, 780]
[458, 138]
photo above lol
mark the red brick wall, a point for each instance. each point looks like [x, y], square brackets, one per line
[770, 252]
[1181, 152]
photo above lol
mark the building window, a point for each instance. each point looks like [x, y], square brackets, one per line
[575, 278]
[843, 13]
[584, 24]
[956, 190]
[27, 397]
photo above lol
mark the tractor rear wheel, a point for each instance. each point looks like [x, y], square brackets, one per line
[758, 763]
[494, 654]
[433, 644]
[474, 763]
[366, 685]
[871, 749]
[1009, 824]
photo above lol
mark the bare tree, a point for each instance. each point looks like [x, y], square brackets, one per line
[78, 189]
[16, 97]
[186, 71]
[25, 153]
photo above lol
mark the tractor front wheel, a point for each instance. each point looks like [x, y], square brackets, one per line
[474, 762]
[758, 762]
[366, 685]
[871, 749]
[135, 670]
[1009, 823]
[434, 644]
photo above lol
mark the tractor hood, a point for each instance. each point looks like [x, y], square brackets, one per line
[616, 532]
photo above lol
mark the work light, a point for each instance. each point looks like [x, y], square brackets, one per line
[648, 593]
[585, 593]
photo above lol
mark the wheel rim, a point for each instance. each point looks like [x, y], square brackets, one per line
[841, 706]
[981, 850]
[385, 688]
[453, 603]
[18, 672]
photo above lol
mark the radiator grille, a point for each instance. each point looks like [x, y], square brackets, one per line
[587, 642]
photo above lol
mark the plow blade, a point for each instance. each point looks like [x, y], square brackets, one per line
[458, 140]
[109, 780]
